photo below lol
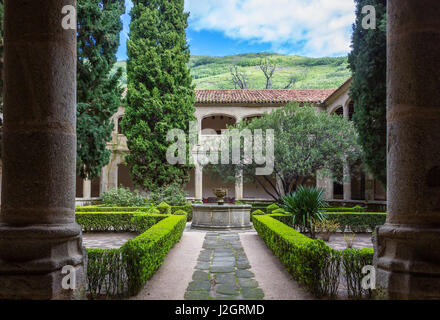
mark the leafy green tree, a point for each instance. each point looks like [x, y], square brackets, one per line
[99, 92]
[368, 91]
[305, 142]
[160, 92]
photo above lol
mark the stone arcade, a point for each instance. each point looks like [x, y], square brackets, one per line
[38, 235]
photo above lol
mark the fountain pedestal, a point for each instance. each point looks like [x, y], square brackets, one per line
[227, 216]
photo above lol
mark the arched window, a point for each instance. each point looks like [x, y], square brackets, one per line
[350, 110]
[339, 111]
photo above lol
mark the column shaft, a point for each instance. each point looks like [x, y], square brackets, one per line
[87, 189]
[408, 249]
[198, 182]
[347, 183]
[38, 233]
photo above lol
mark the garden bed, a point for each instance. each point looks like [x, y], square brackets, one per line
[312, 262]
[124, 271]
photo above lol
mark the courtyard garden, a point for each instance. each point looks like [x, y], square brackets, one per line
[323, 249]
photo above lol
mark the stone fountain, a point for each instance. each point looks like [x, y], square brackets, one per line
[218, 216]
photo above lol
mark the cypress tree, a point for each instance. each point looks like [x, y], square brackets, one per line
[99, 92]
[368, 90]
[160, 91]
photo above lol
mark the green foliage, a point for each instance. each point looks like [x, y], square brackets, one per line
[171, 194]
[164, 208]
[272, 207]
[186, 208]
[256, 213]
[147, 209]
[368, 90]
[344, 209]
[310, 73]
[124, 271]
[305, 142]
[146, 253]
[353, 261]
[305, 205]
[115, 221]
[327, 226]
[160, 94]
[310, 262]
[123, 197]
[98, 92]
[357, 222]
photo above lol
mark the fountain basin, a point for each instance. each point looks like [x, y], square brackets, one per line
[227, 216]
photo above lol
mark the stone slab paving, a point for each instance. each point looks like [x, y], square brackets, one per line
[106, 240]
[222, 271]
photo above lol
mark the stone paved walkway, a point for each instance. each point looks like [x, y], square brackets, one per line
[361, 241]
[222, 271]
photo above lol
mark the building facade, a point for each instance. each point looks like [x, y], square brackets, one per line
[215, 110]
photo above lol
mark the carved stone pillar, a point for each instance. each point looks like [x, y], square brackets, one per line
[408, 254]
[239, 186]
[38, 233]
[369, 187]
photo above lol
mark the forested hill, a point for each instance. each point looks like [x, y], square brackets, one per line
[308, 73]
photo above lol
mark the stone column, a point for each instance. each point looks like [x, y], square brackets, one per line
[346, 110]
[87, 189]
[198, 181]
[408, 253]
[347, 182]
[325, 183]
[239, 186]
[369, 187]
[38, 233]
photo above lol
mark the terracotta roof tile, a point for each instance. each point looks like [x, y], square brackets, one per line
[262, 96]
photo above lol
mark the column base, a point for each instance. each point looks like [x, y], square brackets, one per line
[407, 260]
[32, 258]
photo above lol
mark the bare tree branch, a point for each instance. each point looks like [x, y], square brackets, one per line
[268, 70]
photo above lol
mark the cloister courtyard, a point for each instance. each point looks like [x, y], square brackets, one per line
[66, 237]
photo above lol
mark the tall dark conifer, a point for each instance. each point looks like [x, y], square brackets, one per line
[99, 92]
[160, 92]
[368, 91]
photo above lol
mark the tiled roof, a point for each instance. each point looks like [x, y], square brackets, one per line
[262, 96]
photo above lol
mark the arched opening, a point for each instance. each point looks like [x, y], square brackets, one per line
[358, 181]
[350, 110]
[217, 122]
[119, 125]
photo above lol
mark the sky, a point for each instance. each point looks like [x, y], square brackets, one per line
[313, 28]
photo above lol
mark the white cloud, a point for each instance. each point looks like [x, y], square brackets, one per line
[313, 27]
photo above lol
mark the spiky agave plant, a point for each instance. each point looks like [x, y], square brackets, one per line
[305, 205]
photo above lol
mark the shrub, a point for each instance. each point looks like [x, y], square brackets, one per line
[256, 213]
[164, 208]
[305, 205]
[271, 208]
[343, 209]
[124, 271]
[146, 253]
[353, 260]
[115, 221]
[113, 209]
[173, 195]
[122, 197]
[187, 208]
[357, 222]
[309, 261]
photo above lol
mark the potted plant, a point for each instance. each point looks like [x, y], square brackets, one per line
[220, 193]
[349, 239]
[325, 228]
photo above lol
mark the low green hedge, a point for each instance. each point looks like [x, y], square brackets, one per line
[124, 271]
[353, 260]
[344, 209]
[187, 208]
[358, 222]
[309, 261]
[111, 209]
[116, 221]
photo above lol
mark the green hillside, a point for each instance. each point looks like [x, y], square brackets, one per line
[311, 73]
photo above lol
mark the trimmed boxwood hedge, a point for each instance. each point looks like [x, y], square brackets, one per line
[124, 271]
[358, 222]
[309, 261]
[345, 209]
[116, 221]
[111, 209]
